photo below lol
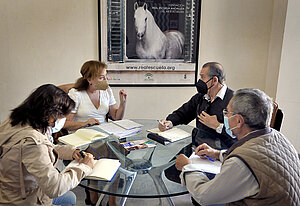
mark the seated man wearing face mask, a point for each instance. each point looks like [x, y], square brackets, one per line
[261, 168]
[206, 106]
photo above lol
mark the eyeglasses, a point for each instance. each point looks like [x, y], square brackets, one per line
[226, 112]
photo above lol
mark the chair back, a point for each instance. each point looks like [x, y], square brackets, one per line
[66, 87]
[277, 117]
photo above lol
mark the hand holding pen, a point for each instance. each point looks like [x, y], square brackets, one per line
[84, 157]
[164, 125]
[204, 151]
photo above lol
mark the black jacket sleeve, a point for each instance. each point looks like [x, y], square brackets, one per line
[187, 112]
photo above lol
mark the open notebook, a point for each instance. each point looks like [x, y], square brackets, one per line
[82, 137]
[104, 169]
[205, 165]
[171, 135]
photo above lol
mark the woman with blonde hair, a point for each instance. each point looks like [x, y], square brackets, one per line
[94, 99]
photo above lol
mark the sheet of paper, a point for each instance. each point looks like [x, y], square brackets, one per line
[154, 130]
[105, 169]
[174, 134]
[111, 128]
[74, 140]
[90, 134]
[205, 165]
[127, 124]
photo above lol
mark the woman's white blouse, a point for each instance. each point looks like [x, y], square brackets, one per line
[85, 109]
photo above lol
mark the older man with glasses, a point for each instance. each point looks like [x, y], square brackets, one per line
[261, 168]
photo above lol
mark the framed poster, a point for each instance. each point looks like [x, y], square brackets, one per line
[149, 42]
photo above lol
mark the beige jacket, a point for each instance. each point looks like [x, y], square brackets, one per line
[27, 167]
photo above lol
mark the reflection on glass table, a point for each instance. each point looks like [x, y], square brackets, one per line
[141, 174]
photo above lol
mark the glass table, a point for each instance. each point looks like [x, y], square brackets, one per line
[141, 174]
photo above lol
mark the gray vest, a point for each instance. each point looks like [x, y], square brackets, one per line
[274, 162]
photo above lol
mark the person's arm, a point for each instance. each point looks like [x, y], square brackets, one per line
[116, 112]
[37, 162]
[72, 125]
[186, 113]
[65, 152]
[233, 183]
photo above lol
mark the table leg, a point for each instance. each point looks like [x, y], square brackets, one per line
[130, 176]
[156, 174]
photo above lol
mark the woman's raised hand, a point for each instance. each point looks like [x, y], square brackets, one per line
[123, 96]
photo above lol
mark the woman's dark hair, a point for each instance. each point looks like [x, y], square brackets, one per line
[45, 102]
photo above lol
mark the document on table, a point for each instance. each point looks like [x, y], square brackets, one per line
[121, 128]
[205, 165]
[82, 137]
[127, 124]
[171, 135]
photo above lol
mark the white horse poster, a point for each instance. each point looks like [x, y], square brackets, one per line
[167, 45]
[150, 42]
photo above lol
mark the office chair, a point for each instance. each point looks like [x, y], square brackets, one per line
[277, 117]
[66, 87]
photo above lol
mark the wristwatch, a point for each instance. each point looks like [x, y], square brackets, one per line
[220, 128]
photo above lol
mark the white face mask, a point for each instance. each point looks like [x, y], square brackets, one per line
[59, 124]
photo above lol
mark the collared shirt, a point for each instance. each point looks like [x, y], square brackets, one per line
[220, 94]
[234, 182]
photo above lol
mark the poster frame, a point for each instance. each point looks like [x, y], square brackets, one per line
[102, 29]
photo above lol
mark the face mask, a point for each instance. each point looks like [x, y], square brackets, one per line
[202, 87]
[226, 124]
[103, 85]
[59, 124]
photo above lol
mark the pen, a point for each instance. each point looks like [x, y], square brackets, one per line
[160, 122]
[95, 152]
[193, 149]
[82, 154]
[209, 158]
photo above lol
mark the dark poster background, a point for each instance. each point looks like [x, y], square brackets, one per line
[168, 15]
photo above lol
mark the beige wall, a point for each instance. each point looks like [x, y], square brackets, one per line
[43, 41]
[288, 95]
[46, 41]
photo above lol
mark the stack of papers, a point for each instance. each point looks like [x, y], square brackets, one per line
[121, 128]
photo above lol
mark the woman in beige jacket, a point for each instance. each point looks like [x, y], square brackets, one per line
[27, 158]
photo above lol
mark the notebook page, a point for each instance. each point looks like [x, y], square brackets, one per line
[111, 128]
[205, 165]
[127, 124]
[174, 134]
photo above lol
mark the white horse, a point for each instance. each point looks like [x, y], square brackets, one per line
[152, 42]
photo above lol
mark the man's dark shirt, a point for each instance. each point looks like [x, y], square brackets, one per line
[190, 110]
